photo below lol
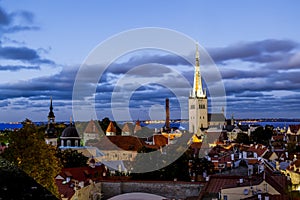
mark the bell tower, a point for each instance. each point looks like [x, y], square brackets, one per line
[51, 132]
[198, 109]
[51, 116]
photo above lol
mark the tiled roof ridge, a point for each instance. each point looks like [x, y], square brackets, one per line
[274, 183]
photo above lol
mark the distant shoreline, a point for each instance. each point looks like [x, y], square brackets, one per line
[276, 122]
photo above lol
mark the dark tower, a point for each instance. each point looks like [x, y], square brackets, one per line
[51, 132]
[51, 116]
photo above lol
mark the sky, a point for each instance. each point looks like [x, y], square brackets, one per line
[254, 45]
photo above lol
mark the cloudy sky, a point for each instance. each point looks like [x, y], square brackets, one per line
[254, 45]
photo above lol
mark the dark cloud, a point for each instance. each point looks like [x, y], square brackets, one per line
[18, 28]
[18, 67]
[239, 74]
[16, 21]
[250, 94]
[270, 106]
[58, 85]
[4, 17]
[4, 103]
[21, 53]
[146, 58]
[24, 16]
[249, 88]
[258, 51]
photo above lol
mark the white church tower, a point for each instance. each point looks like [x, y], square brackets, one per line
[198, 108]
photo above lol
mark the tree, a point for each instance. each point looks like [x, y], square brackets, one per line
[105, 123]
[29, 152]
[176, 170]
[201, 165]
[242, 138]
[262, 135]
[71, 158]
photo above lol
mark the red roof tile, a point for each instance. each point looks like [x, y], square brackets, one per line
[218, 182]
[79, 174]
[259, 149]
[160, 140]
[64, 189]
[118, 142]
[82, 173]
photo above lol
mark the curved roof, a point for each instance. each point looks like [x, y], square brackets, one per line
[70, 131]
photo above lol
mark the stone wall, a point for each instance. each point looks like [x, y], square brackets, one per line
[168, 189]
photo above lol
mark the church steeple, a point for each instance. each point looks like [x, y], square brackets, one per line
[197, 87]
[198, 107]
[51, 116]
[51, 132]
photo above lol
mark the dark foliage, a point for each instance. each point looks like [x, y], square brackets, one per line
[71, 158]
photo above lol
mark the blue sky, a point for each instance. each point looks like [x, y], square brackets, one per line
[255, 45]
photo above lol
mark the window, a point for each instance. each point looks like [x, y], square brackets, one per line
[76, 143]
[192, 106]
[68, 143]
[201, 106]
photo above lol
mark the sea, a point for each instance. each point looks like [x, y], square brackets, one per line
[181, 126]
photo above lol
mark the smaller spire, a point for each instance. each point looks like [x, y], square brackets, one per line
[51, 115]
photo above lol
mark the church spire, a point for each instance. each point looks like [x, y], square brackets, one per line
[51, 116]
[197, 87]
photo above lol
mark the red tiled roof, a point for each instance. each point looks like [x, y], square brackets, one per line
[64, 189]
[81, 173]
[278, 137]
[118, 142]
[128, 143]
[259, 149]
[218, 182]
[160, 140]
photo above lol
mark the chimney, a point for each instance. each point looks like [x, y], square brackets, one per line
[167, 114]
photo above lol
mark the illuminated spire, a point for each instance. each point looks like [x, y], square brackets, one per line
[197, 87]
